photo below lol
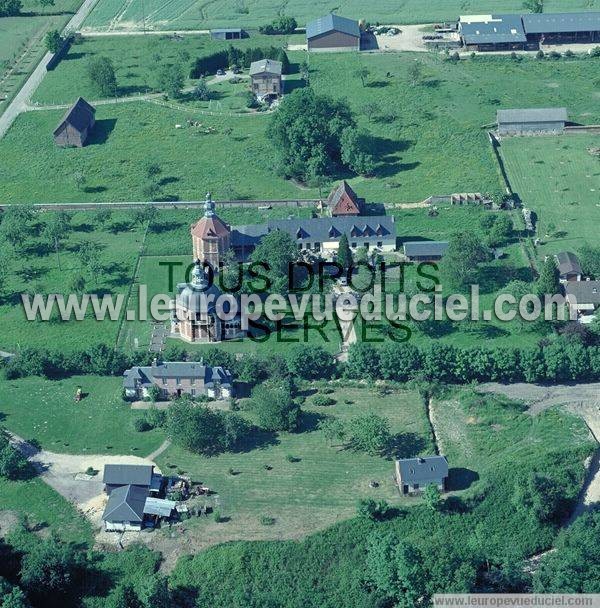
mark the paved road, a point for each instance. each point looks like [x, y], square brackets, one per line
[19, 103]
[99, 33]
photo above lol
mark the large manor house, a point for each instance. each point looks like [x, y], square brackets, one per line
[195, 320]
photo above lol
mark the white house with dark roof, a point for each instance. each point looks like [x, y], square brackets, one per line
[413, 475]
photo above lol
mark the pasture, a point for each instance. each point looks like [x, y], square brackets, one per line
[322, 484]
[101, 423]
[192, 14]
[559, 179]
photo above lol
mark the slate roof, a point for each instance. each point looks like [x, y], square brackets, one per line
[126, 504]
[265, 66]
[568, 263]
[551, 23]
[127, 474]
[532, 115]
[423, 470]
[425, 248]
[318, 229]
[80, 116]
[331, 23]
[159, 506]
[585, 292]
[492, 29]
[175, 369]
[226, 30]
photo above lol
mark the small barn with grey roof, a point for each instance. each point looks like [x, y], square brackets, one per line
[125, 509]
[532, 121]
[118, 475]
[333, 33]
[425, 251]
[562, 28]
[569, 268]
[75, 127]
[413, 475]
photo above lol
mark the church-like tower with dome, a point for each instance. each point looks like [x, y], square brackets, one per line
[210, 236]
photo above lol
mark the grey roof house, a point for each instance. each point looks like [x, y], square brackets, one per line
[321, 233]
[413, 475]
[265, 77]
[532, 121]
[117, 475]
[425, 251]
[583, 296]
[75, 126]
[557, 28]
[176, 378]
[333, 33]
[492, 32]
[125, 508]
[569, 268]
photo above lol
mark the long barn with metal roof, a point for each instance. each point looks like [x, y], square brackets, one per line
[560, 28]
[530, 121]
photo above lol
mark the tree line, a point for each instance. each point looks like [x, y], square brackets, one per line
[236, 57]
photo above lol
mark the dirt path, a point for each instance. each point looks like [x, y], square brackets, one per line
[159, 450]
[580, 399]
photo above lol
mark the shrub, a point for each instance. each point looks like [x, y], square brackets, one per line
[375, 510]
[323, 401]
[540, 54]
[265, 520]
[141, 425]
[595, 52]
[217, 516]
[91, 471]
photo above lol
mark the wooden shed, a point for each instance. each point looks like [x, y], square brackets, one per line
[76, 125]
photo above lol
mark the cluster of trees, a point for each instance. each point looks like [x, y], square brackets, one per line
[11, 8]
[13, 465]
[589, 256]
[236, 57]
[281, 25]
[560, 360]
[202, 430]
[275, 407]
[101, 73]
[367, 433]
[315, 136]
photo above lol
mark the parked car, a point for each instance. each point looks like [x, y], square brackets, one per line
[220, 72]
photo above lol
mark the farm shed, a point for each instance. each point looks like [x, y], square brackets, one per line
[413, 475]
[492, 32]
[266, 78]
[333, 33]
[569, 268]
[343, 201]
[159, 508]
[425, 251]
[560, 28]
[228, 34]
[75, 126]
[532, 121]
[125, 509]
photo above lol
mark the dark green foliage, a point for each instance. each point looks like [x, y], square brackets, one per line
[13, 465]
[10, 8]
[281, 25]
[541, 495]
[53, 41]
[574, 566]
[464, 254]
[273, 256]
[375, 510]
[204, 431]
[344, 253]
[141, 425]
[590, 260]
[323, 401]
[275, 408]
[101, 73]
[170, 79]
[306, 132]
[310, 362]
[234, 56]
[549, 280]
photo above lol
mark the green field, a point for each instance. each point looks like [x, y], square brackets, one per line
[559, 179]
[192, 14]
[428, 139]
[322, 487]
[101, 423]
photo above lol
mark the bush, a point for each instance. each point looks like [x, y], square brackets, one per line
[540, 54]
[217, 516]
[141, 425]
[375, 510]
[323, 401]
[265, 520]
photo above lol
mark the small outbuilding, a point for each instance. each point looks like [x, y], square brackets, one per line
[76, 125]
[125, 509]
[233, 33]
[119, 475]
[333, 33]
[266, 78]
[413, 475]
[425, 251]
[343, 201]
[569, 267]
[532, 121]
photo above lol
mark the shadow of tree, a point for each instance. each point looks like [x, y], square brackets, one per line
[460, 478]
[404, 445]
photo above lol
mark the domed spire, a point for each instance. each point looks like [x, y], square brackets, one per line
[198, 276]
[209, 206]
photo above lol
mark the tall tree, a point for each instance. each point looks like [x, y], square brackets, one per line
[344, 254]
[549, 280]
[53, 41]
[275, 408]
[101, 73]
[464, 255]
[56, 229]
[278, 250]
[170, 79]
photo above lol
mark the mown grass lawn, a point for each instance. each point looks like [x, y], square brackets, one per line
[559, 179]
[192, 14]
[101, 423]
[321, 486]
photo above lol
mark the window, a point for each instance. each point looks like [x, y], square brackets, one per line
[192, 381]
[193, 392]
[379, 243]
[178, 381]
[353, 245]
[164, 380]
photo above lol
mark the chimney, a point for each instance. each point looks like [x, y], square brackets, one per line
[155, 362]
